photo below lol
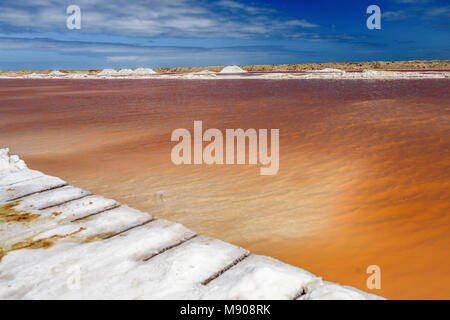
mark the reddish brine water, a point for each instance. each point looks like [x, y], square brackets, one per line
[364, 174]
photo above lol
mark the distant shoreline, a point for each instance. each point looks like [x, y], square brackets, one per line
[430, 65]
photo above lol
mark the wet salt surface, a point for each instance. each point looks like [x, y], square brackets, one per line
[364, 168]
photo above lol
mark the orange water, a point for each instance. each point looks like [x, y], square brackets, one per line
[364, 173]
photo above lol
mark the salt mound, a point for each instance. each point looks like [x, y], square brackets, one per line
[10, 163]
[371, 73]
[77, 75]
[144, 71]
[125, 72]
[232, 69]
[56, 73]
[34, 75]
[329, 70]
[108, 72]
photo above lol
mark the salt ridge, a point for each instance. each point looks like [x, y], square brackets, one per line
[234, 72]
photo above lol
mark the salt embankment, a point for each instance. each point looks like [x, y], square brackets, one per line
[327, 70]
[234, 72]
[108, 72]
[56, 73]
[144, 71]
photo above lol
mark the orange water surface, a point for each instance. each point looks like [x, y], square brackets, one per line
[364, 174]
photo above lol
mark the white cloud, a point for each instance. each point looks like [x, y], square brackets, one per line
[394, 15]
[301, 23]
[154, 18]
[438, 11]
[127, 59]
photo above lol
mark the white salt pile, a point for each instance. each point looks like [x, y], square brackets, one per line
[232, 69]
[77, 76]
[125, 72]
[142, 71]
[34, 76]
[329, 70]
[372, 73]
[56, 73]
[108, 72]
[10, 163]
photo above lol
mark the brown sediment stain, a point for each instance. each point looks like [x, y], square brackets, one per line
[10, 189]
[8, 214]
[98, 237]
[56, 213]
[48, 242]
[44, 243]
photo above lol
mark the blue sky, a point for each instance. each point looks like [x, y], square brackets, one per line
[169, 33]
